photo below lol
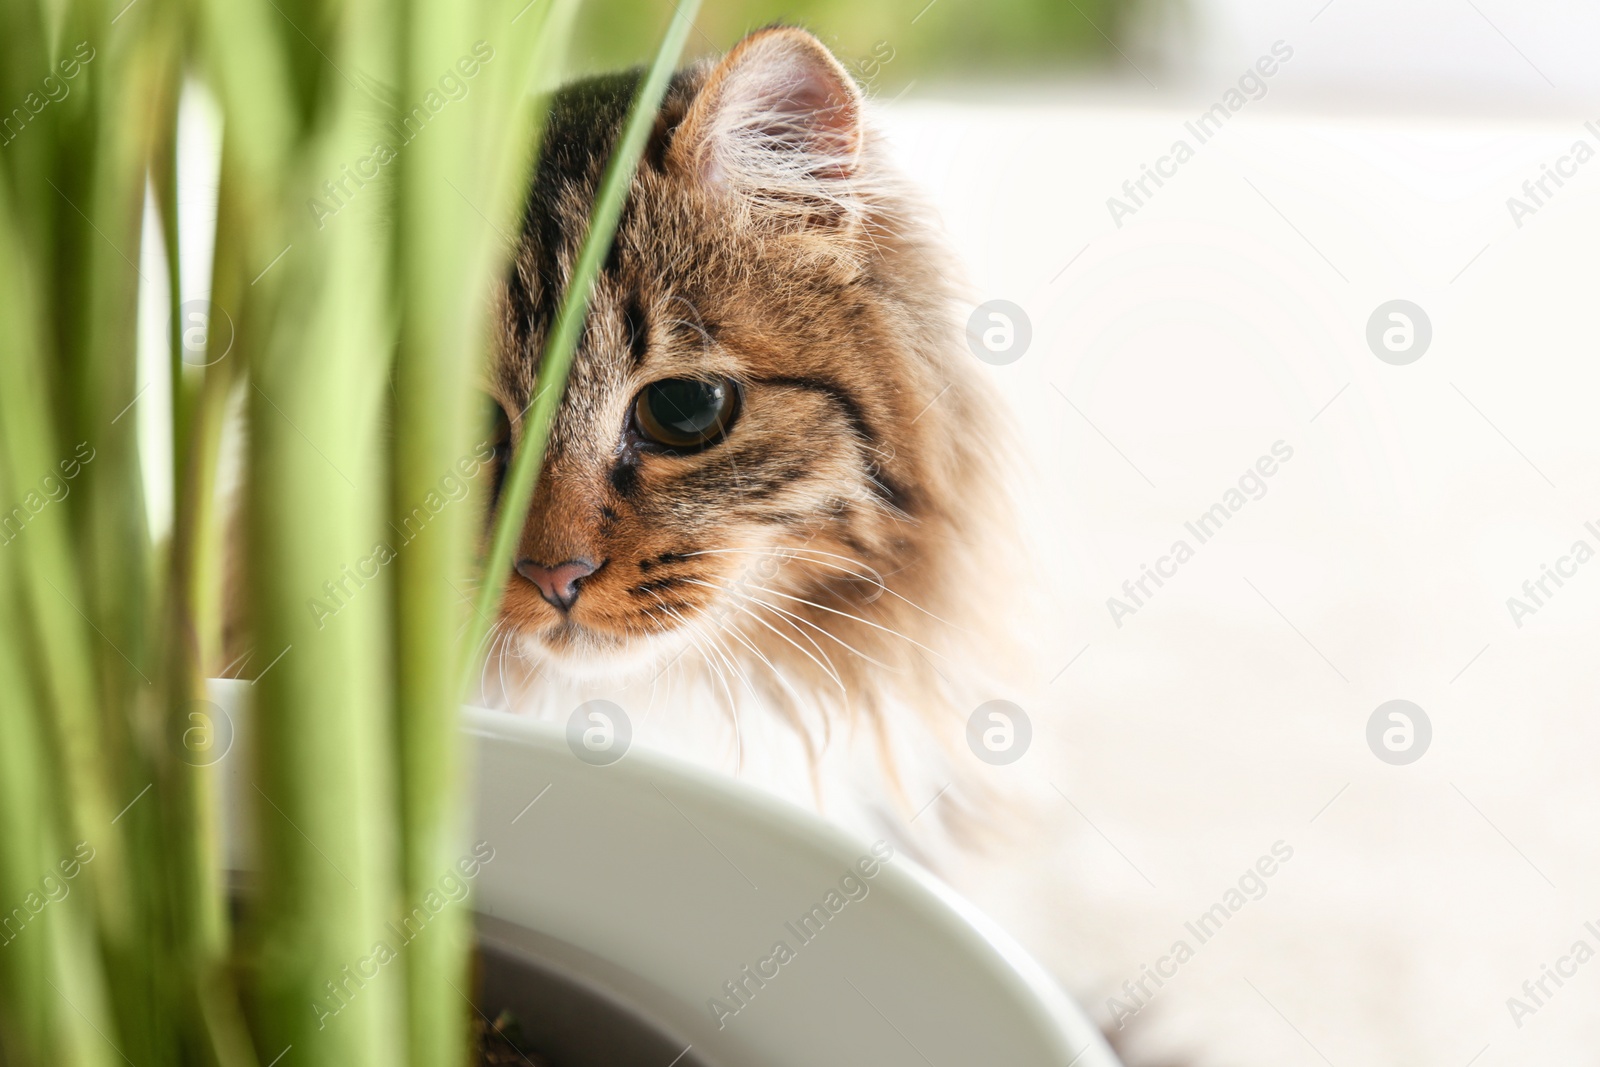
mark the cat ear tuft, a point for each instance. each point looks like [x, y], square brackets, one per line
[778, 120]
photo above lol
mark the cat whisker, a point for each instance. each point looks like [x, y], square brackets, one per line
[238, 663]
[504, 653]
[845, 614]
[650, 704]
[730, 660]
[794, 618]
[695, 633]
[722, 627]
[742, 602]
[792, 554]
[893, 511]
[799, 702]
[689, 631]
[804, 622]
[734, 633]
[827, 660]
[695, 326]
[738, 728]
[826, 669]
[802, 553]
[716, 657]
[495, 632]
[825, 663]
[881, 582]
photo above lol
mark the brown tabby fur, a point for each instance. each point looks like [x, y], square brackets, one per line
[860, 466]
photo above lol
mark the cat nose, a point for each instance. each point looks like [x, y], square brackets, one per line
[559, 584]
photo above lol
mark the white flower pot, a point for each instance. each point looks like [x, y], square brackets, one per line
[623, 901]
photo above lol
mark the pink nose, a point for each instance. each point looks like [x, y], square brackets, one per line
[559, 584]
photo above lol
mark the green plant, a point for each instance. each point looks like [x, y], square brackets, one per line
[346, 312]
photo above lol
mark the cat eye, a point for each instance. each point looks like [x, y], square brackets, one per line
[685, 414]
[499, 426]
[499, 440]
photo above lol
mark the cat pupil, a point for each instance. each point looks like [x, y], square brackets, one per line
[689, 407]
[685, 413]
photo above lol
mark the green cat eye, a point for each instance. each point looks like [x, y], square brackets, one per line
[685, 413]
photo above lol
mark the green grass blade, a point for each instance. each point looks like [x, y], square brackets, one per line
[446, 252]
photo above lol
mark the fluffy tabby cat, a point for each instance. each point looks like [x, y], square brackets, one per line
[773, 461]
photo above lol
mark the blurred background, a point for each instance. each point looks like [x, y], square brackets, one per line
[946, 39]
[1488, 56]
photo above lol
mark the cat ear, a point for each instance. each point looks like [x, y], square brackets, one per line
[778, 120]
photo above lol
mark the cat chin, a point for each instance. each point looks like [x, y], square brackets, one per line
[587, 658]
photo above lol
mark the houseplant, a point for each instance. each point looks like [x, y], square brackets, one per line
[371, 162]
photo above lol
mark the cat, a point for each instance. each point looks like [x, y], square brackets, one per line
[774, 461]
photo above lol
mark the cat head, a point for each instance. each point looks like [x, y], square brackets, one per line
[771, 450]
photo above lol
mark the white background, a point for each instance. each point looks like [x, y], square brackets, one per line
[1230, 313]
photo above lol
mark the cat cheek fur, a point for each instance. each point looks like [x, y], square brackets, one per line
[852, 508]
